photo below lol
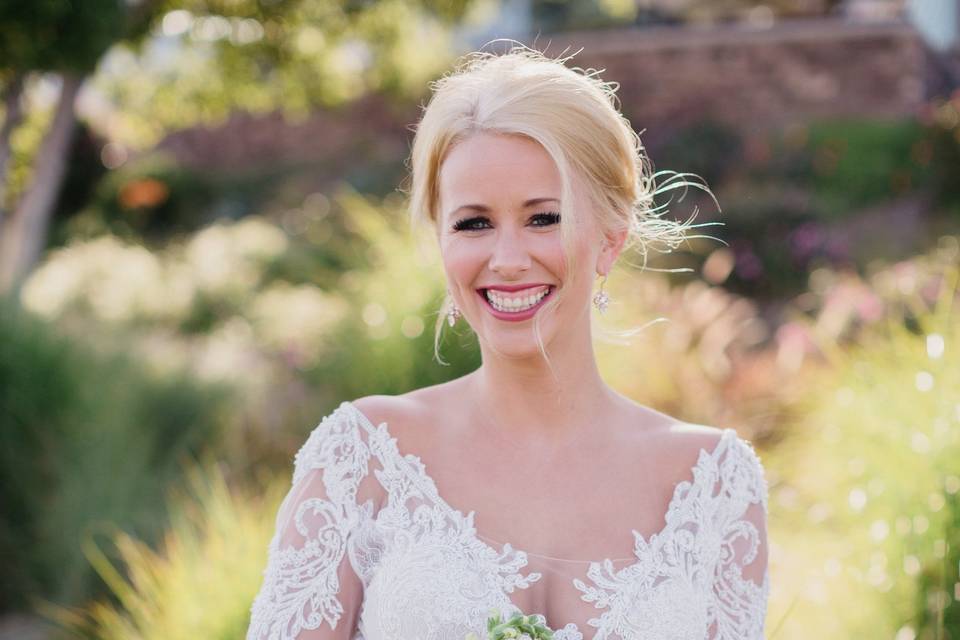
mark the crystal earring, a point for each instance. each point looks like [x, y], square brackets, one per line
[602, 299]
[453, 313]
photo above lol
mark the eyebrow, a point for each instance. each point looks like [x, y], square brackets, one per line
[480, 208]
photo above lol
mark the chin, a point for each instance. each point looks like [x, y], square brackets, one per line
[518, 344]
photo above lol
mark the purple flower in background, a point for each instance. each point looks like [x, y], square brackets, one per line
[838, 248]
[748, 266]
[805, 239]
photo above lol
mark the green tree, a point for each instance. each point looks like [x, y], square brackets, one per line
[65, 38]
[232, 54]
[564, 15]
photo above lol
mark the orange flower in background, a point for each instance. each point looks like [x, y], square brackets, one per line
[144, 192]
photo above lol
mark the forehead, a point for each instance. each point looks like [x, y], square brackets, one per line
[497, 168]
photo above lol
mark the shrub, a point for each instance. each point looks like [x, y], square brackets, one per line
[867, 502]
[942, 120]
[712, 150]
[202, 580]
[87, 439]
[850, 164]
[153, 199]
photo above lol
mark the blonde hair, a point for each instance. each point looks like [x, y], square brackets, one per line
[575, 117]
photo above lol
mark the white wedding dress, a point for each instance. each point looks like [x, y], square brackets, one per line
[366, 548]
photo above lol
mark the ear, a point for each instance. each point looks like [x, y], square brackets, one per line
[612, 246]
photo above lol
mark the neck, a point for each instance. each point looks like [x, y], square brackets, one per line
[529, 404]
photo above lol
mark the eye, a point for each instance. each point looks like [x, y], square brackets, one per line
[469, 224]
[551, 217]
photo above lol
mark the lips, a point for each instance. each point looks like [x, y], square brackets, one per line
[510, 288]
[515, 316]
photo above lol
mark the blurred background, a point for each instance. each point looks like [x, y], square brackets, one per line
[203, 250]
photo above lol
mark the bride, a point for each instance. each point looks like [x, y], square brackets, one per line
[528, 485]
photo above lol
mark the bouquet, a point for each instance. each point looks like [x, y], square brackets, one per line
[519, 627]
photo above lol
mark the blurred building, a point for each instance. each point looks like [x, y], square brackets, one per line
[743, 64]
[938, 21]
[758, 64]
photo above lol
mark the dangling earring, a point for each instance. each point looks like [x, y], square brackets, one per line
[602, 299]
[453, 313]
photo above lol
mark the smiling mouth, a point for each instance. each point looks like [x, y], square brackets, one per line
[508, 308]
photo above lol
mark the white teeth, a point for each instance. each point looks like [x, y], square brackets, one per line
[515, 305]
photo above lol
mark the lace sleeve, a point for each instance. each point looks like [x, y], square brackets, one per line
[311, 590]
[741, 581]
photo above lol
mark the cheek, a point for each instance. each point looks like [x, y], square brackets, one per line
[463, 261]
[554, 256]
[585, 268]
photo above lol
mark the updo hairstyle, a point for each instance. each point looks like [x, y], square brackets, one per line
[575, 117]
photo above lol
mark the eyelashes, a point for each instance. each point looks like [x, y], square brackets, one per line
[467, 224]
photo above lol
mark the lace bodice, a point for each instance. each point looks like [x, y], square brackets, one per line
[365, 548]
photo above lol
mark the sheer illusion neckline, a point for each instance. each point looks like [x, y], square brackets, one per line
[420, 474]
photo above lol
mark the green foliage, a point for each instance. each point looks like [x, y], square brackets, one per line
[25, 140]
[394, 303]
[84, 170]
[260, 57]
[825, 194]
[88, 438]
[35, 368]
[200, 582]
[774, 244]
[154, 200]
[850, 164]
[326, 303]
[58, 35]
[868, 480]
[943, 154]
[565, 15]
[711, 150]
[517, 626]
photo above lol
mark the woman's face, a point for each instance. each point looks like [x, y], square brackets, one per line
[499, 229]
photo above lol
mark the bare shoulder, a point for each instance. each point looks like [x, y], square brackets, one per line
[678, 445]
[410, 417]
[400, 413]
[694, 437]
[671, 435]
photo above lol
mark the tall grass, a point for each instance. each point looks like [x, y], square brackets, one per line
[87, 439]
[202, 579]
[866, 512]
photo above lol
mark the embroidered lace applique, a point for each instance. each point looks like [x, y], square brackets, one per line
[414, 568]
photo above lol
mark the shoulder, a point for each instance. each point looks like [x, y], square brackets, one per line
[688, 438]
[722, 444]
[341, 445]
[382, 408]
[679, 445]
[412, 414]
[735, 458]
[665, 434]
[682, 445]
[405, 416]
[354, 420]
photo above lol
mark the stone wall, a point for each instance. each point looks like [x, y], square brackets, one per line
[669, 77]
[370, 130]
[757, 79]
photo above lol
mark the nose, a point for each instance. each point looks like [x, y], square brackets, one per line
[510, 256]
